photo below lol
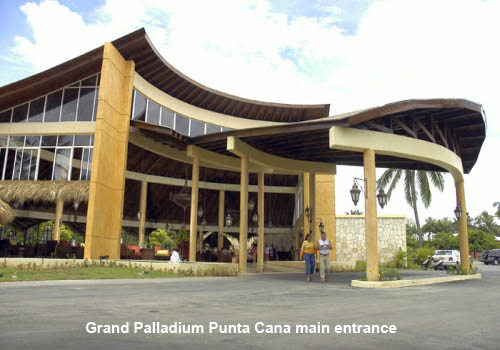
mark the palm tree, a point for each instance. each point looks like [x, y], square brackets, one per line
[416, 183]
[497, 205]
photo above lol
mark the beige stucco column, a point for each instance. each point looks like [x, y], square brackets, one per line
[109, 158]
[243, 214]
[463, 234]
[306, 203]
[260, 212]
[370, 216]
[220, 233]
[142, 211]
[193, 223]
[312, 201]
[56, 233]
[325, 208]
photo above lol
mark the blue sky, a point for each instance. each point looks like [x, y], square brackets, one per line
[351, 54]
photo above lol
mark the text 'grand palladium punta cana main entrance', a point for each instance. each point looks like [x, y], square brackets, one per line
[118, 145]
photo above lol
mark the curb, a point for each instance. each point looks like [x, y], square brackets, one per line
[409, 283]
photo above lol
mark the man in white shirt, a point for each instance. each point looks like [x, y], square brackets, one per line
[174, 258]
[323, 246]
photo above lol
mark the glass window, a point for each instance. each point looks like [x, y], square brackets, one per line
[61, 164]
[197, 128]
[76, 164]
[86, 104]
[96, 101]
[3, 151]
[153, 116]
[226, 129]
[69, 105]
[82, 140]
[5, 116]
[53, 107]
[89, 165]
[65, 140]
[49, 140]
[32, 141]
[139, 106]
[36, 110]
[181, 124]
[20, 113]
[46, 163]
[3, 141]
[17, 164]
[212, 129]
[16, 141]
[11, 156]
[167, 117]
[75, 85]
[29, 164]
[85, 164]
[90, 81]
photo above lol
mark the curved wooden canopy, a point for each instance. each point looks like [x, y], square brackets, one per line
[156, 70]
[456, 124]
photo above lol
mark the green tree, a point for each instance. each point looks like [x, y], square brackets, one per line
[160, 237]
[416, 183]
[445, 240]
[497, 205]
[480, 240]
[433, 226]
[179, 237]
[354, 212]
[486, 222]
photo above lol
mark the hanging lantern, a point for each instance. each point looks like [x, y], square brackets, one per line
[382, 198]
[229, 220]
[255, 218]
[251, 205]
[355, 192]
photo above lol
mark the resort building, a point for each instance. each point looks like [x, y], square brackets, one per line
[152, 148]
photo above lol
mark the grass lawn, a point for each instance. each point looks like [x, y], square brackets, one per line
[12, 274]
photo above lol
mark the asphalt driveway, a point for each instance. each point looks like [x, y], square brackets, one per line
[55, 314]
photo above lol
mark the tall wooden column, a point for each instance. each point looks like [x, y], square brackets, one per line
[220, 234]
[260, 211]
[142, 211]
[306, 203]
[463, 234]
[243, 214]
[193, 223]
[371, 216]
[56, 233]
[107, 182]
[312, 200]
[325, 208]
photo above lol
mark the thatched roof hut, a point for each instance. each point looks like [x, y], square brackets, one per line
[21, 192]
[6, 213]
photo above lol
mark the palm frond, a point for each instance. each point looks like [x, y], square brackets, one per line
[21, 192]
[424, 187]
[437, 179]
[386, 178]
[394, 183]
[411, 192]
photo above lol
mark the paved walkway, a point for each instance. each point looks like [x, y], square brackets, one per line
[54, 314]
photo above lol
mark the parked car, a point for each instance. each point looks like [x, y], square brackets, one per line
[448, 257]
[490, 257]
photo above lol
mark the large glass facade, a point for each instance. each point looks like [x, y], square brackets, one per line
[149, 111]
[63, 157]
[74, 103]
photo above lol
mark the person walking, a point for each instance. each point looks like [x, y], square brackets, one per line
[308, 253]
[324, 246]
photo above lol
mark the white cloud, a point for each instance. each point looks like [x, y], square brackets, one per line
[401, 50]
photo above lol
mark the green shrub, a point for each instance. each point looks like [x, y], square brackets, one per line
[421, 254]
[400, 259]
[360, 265]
